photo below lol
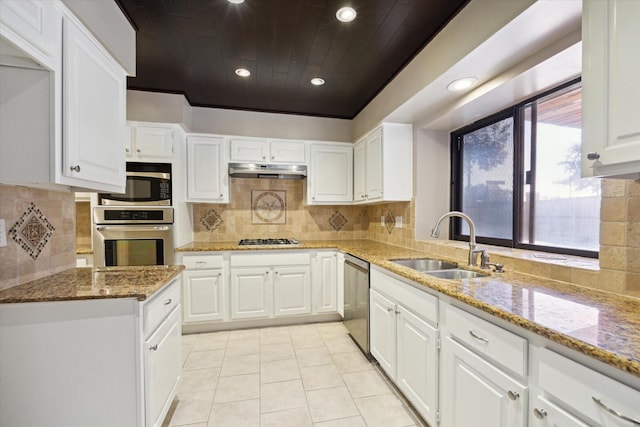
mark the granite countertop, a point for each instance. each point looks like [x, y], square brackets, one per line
[599, 324]
[93, 283]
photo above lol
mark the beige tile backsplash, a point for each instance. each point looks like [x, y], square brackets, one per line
[16, 266]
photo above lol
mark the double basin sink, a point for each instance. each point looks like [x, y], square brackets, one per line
[437, 268]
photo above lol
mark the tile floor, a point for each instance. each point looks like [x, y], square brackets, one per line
[298, 376]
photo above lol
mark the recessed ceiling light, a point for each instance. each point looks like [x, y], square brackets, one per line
[317, 81]
[243, 72]
[346, 14]
[236, 1]
[462, 84]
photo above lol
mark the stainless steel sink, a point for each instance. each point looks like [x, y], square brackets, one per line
[456, 274]
[425, 264]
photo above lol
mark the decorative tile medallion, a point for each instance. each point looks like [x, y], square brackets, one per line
[389, 221]
[337, 221]
[32, 231]
[211, 220]
[268, 207]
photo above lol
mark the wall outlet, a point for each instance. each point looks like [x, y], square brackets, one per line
[382, 221]
[398, 222]
[3, 234]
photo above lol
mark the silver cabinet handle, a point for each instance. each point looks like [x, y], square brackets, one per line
[513, 395]
[154, 347]
[478, 337]
[221, 195]
[169, 301]
[389, 309]
[273, 157]
[138, 150]
[264, 157]
[539, 413]
[75, 168]
[200, 262]
[126, 150]
[593, 156]
[614, 412]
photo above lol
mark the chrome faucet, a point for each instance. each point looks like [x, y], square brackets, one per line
[435, 232]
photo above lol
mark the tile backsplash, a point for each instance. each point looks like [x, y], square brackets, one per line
[52, 247]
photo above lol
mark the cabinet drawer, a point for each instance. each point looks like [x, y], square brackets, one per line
[418, 301]
[193, 262]
[159, 307]
[488, 339]
[578, 387]
[268, 259]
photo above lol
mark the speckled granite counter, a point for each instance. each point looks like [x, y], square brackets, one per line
[602, 325]
[90, 283]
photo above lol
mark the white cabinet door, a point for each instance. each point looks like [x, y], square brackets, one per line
[287, 151]
[340, 287]
[383, 332]
[162, 368]
[291, 290]
[360, 171]
[207, 178]
[203, 295]
[251, 293]
[610, 89]
[94, 88]
[544, 413]
[249, 150]
[330, 177]
[417, 363]
[326, 285]
[374, 166]
[472, 389]
[151, 142]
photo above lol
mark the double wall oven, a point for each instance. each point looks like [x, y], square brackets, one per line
[136, 228]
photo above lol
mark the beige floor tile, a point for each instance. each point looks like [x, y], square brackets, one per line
[340, 345]
[384, 411]
[189, 340]
[310, 339]
[212, 341]
[331, 404]
[365, 383]
[244, 334]
[313, 356]
[192, 408]
[272, 352]
[240, 347]
[282, 395]
[241, 414]
[186, 350]
[298, 417]
[332, 330]
[344, 422]
[204, 359]
[240, 365]
[279, 335]
[198, 380]
[351, 362]
[279, 370]
[239, 387]
[322, 376]
[304, 329]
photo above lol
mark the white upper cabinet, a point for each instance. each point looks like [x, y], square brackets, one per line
[93, 131]
[62, 102]
[151, 143]
[610, 88]
[383, 164]
[267, 151]
[207, 178]
[330, 175]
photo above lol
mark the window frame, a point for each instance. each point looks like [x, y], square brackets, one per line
[516, 112]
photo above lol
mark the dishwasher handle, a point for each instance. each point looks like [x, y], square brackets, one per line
[357, 263]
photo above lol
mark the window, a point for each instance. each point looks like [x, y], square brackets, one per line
[517, 175]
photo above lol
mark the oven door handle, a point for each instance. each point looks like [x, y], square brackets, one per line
[132, 227]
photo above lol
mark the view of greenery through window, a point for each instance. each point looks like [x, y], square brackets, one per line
[517, 175]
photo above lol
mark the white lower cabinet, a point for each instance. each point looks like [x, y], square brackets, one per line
[204, 288]
[291, 290]
[475, 393]
[325, 282]
[404, 340]
[251, 293]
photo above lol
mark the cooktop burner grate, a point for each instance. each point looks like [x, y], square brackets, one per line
[247, 242]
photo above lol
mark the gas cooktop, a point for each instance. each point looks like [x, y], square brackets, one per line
[247, 242]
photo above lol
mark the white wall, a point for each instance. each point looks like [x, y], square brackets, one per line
[431, 181]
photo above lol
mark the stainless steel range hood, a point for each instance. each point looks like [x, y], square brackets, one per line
[253, 170]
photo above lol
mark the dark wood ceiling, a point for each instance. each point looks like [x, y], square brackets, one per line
[194, 46]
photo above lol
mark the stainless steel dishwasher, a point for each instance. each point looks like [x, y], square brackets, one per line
[356, 301]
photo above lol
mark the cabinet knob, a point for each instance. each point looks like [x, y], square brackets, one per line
[167, 302]
[273, 157]
[539, 413]
[264, 157]
[127, 150]
[593, 156]
[513, 395]
[138, 150]
[153, 347]
[389, 309]
[75, 168]
[221, 195]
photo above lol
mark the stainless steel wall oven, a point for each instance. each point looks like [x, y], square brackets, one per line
[132, 236]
